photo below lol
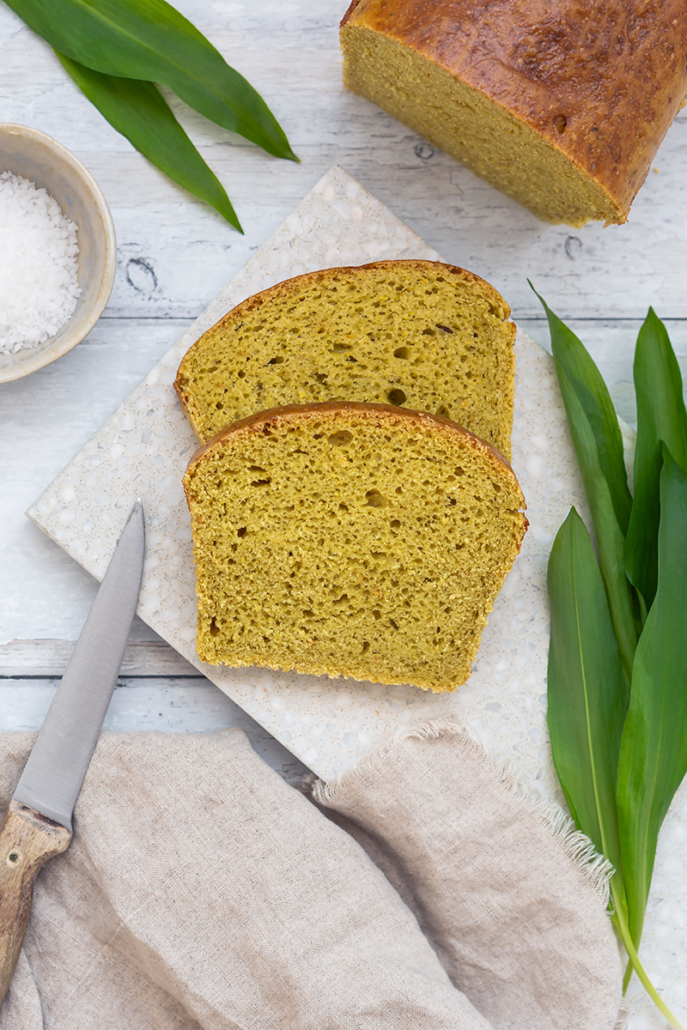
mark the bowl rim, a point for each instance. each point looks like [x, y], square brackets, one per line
[70, 340]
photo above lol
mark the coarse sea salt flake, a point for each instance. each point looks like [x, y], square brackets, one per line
[39, 286]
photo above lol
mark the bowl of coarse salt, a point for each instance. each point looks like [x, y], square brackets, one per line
[58, 251]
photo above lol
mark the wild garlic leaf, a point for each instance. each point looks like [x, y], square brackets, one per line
[661, 416]
[610, 541]
[653, 751]
[586, 382]
[598, 445]
[139, 111]
[587, 692]
[587, 707]
[150, 40]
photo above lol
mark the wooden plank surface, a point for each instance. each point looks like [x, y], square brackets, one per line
[30, 659]
[175, 254]
[179, 705]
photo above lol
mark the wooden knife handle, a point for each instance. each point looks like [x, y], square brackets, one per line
[27, 841]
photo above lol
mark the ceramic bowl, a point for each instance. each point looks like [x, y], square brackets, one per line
[35, 156]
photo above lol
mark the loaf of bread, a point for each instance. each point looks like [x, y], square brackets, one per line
[561, 104]
[350, 539]
[417, 333]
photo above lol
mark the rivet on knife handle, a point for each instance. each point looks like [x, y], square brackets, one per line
[27, 841]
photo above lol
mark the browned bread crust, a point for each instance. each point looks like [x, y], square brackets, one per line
[291, 285]
[263, 421]
[601, 81]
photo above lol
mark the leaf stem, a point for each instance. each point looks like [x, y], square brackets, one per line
[629, 970]
[623, 930]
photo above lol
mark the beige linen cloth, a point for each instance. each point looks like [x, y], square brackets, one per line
[201, 891]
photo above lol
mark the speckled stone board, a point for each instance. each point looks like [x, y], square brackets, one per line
[143, 449]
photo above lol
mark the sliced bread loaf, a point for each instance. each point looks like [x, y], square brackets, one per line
[558, 103]
[417, 333]
[350, 539]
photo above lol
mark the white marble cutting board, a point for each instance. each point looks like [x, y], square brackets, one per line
[143, 449]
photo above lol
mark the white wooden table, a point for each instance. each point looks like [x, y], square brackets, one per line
[174, 255]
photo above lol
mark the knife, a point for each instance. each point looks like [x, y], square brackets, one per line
[38, 822]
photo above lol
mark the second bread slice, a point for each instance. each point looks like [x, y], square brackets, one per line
[350, 539]
[420, 334]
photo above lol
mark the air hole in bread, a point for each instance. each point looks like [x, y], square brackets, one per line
[340, 439]
[375, 499]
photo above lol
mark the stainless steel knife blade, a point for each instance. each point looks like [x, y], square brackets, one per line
[56, 768]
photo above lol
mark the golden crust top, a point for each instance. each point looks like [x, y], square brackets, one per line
[288, 285]
[264, 420]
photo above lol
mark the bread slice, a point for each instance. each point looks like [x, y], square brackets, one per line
[350, 539]
[417, 333]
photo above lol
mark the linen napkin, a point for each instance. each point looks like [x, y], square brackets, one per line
[424, 889]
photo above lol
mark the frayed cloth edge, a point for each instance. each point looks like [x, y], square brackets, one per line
[595, 868]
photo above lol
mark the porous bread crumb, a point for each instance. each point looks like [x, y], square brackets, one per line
[469, 125]
[350, 539]
[420, 334]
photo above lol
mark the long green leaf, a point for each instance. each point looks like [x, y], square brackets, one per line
[610, 541]
[139, 111]
[587, 692]
[661, 416]
[598, 445]
[150, 40]
[653, 752]
[584, 661]
[572, 358]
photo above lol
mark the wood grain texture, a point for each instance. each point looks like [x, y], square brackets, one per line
[35, 658]
[27, 841]
[166, 704]
[175, 254]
